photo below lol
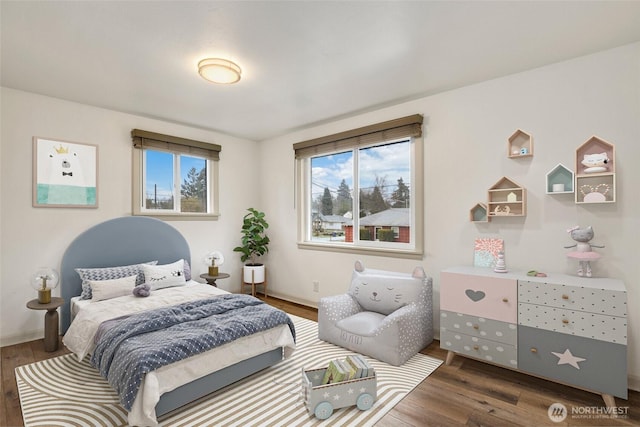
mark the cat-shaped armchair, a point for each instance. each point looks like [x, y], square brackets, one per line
[384, 314]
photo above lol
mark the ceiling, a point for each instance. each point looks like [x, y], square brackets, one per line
[304, 62]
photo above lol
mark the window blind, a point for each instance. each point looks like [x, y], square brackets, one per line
[404, 127]
[145, 139]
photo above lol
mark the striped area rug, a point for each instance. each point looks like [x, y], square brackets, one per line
[64, 392]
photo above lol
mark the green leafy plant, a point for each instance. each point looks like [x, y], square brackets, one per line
[255, 242]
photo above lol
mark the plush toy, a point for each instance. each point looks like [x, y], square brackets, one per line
[595, 162]
[143, 290]
[583, 253]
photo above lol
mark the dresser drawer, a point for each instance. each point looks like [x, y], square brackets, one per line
[582, 298]
[480, 348]
[589, 325]
[490, 297]
[480, 327]
[595, 365]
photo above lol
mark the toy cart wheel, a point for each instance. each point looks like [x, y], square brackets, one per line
[365, 401]
[323, 410]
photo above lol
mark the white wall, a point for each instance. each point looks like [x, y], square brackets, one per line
[33, 237]
[466, 133]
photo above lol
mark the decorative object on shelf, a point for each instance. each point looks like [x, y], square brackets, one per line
[214, 259]
[499, 210]
[558, 188]
[584, 252]
[43, 281]
[65, 174]
[512, 197]
[594, 193]
[595, 163]
[255, 243]
[486, 251]
[501, 266]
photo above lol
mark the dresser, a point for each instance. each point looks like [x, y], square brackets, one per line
[568, 329]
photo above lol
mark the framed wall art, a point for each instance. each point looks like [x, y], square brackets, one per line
[65, 174]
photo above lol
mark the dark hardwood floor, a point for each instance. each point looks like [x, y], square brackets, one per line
[466, 393]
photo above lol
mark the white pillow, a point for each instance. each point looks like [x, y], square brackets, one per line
[164, 276]
[107, 289]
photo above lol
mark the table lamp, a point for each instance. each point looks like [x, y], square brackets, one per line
[214, 260]
[43, 281]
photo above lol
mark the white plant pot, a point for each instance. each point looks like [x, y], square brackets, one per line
[253, 273]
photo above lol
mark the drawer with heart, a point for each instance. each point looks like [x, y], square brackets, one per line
[490, 296]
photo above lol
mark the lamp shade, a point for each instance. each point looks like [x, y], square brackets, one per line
[43, 281]
[214, 259]
[218, 70]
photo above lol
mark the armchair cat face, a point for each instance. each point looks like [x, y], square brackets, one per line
[384, 292]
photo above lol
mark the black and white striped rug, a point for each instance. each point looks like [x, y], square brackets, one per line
[64, 392]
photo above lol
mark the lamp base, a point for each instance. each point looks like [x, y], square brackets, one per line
[213, 271]
[44, 296]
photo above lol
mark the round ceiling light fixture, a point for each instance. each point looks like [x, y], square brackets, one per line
[219, 70]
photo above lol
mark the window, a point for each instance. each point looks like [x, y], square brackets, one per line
[174, 176]
[362, 190]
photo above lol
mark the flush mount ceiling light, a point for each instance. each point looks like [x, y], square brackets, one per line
[219, 70]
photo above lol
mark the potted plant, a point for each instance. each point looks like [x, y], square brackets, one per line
[254, 244]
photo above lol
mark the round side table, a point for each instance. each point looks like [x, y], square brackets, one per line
[51, 322]
[211, 280]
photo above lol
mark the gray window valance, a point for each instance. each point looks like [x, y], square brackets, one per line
[410, 126]
[145, 139]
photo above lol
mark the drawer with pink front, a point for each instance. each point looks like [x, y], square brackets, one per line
[480, 293]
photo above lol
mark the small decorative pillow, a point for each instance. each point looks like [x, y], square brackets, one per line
[108, 273]
[107, 289]
[164, 276]
[143, 290]
[187, 270]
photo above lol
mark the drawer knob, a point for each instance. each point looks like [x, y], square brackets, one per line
[476, 326]
[505, 299]
[565, 321]
[534, 350]
[565, 296]
[475, 347]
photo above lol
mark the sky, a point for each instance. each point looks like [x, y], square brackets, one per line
[390, 161]
[160, 171]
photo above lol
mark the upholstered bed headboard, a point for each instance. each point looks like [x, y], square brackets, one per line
[120, 241]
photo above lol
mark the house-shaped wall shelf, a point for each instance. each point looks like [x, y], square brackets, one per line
[507, 198]
[478, 213]
[595, 179]
[595, 146]
[560, 180]
[520, 145]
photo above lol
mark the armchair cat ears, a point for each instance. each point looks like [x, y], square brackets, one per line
[418, 272]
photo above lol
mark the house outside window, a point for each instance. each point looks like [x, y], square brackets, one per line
[369, 185]
[174, 177]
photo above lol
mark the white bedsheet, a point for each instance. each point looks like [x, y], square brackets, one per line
[80, 335]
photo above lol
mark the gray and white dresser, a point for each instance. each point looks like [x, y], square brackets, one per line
[567, 329]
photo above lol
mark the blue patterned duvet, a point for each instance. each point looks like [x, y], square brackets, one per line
[149, 340]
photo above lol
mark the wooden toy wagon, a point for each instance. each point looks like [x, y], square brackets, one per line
[321, 399]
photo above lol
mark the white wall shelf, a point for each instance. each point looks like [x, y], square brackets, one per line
[560, 180]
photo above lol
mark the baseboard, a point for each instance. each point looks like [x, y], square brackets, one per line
[19, 339]
[293, 300]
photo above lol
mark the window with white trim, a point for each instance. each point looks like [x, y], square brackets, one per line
[174, 176]
[362, 189]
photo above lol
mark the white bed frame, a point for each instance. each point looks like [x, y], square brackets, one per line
[137, 239]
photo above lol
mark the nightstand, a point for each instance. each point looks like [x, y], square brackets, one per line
[211, 280]
[51, 322]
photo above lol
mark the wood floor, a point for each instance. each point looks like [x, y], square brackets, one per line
[466, 393]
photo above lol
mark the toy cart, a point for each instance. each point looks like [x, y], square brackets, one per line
[321, 399]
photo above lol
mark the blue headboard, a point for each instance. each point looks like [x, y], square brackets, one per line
[120, 241]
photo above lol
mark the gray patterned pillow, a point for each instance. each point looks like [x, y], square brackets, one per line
[109, 273]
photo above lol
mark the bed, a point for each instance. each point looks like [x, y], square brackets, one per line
[135, 240]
